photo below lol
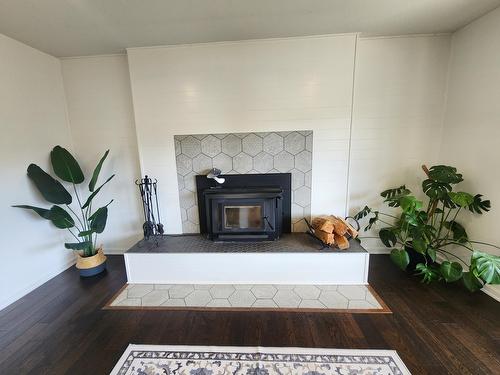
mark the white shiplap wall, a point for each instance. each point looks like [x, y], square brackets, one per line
[399, 96]
[250, 86]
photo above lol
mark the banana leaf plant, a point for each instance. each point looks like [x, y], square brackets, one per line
[433, 229]
[81, 221]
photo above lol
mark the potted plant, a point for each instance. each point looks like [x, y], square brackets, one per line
[424, 238]
[82, 222]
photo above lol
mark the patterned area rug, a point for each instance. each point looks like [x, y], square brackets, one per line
[218, 360]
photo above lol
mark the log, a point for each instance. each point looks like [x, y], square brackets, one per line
[341, 241]
[339, 226]
[327, 238]
[323, 224]
[350, 229]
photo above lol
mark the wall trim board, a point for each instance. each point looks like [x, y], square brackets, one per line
[245, 41]
[18, 294]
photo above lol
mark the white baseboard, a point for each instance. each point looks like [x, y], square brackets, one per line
[493, 291]
[41, 280]
[111, 251]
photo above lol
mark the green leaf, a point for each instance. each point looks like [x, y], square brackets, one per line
[85, 233]
[410, 203]
[387, 237]
[431, 253]
[451, 271]
[445, 174]
[486, 267]
[97, 170]
[419, 245]
[373, 220]
[361, 214]
[89, 199]
[65, 166]
[461, 199]
[98, 220]
[61, 218]
[401, 258]
[459, 233]
[78, 245]
[471, 282]
[429, 273]
[435, 190]
[51, 189]
[399, 191]
[43, 212]
[479, 205]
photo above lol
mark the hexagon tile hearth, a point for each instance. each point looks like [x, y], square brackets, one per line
[275, 152]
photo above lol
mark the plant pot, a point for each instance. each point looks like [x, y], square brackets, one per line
[91, 266]
[416, 258]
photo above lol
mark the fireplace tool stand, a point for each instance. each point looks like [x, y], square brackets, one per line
[152, 227]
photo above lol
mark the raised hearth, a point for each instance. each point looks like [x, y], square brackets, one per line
[295, 259]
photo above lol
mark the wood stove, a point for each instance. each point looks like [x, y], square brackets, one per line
[252, 207]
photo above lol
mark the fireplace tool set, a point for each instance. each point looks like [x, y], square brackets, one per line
[152, 226]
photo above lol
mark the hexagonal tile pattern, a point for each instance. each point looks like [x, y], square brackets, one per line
[211, 146]
[352, 291]
[190, 146]
[184, 165]
[198, 298]
[222, 291]
[202, 164]
[187, 198]
[273, 144]
[309, 142]
[252, 144]
[192, 214]
[180, 291]
[286, 298]
[308, 179]
[189, 227]
[302, 196]
[242, 163]
[295, 143]
[247, 296]
[303, 161]
[264, 291]
[298, 178]
[242, 298]
[231, 145]
[274, 152]
[333, 300]
[139, 290]
[284, 162]
[307, 291]
[177, 145]
[155, 298]
[263, 162]
[223, 162]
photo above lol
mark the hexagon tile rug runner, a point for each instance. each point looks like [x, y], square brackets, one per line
[218, 360]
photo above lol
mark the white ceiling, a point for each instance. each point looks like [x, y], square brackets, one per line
[90, 27]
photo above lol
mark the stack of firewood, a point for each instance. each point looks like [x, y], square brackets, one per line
[334, 230]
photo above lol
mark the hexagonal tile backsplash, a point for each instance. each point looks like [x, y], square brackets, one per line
[276, 152]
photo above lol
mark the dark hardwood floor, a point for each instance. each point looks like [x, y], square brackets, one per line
[60, 328]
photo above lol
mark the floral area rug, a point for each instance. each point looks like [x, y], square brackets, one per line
[218, 360]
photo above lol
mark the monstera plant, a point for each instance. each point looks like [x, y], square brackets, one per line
[427, 235]
[81, 220]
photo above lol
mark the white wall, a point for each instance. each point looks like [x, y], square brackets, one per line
[472, 123]
[264, 85]
[32, 121]
[101, 117]
[293, 84]
[399, 98]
